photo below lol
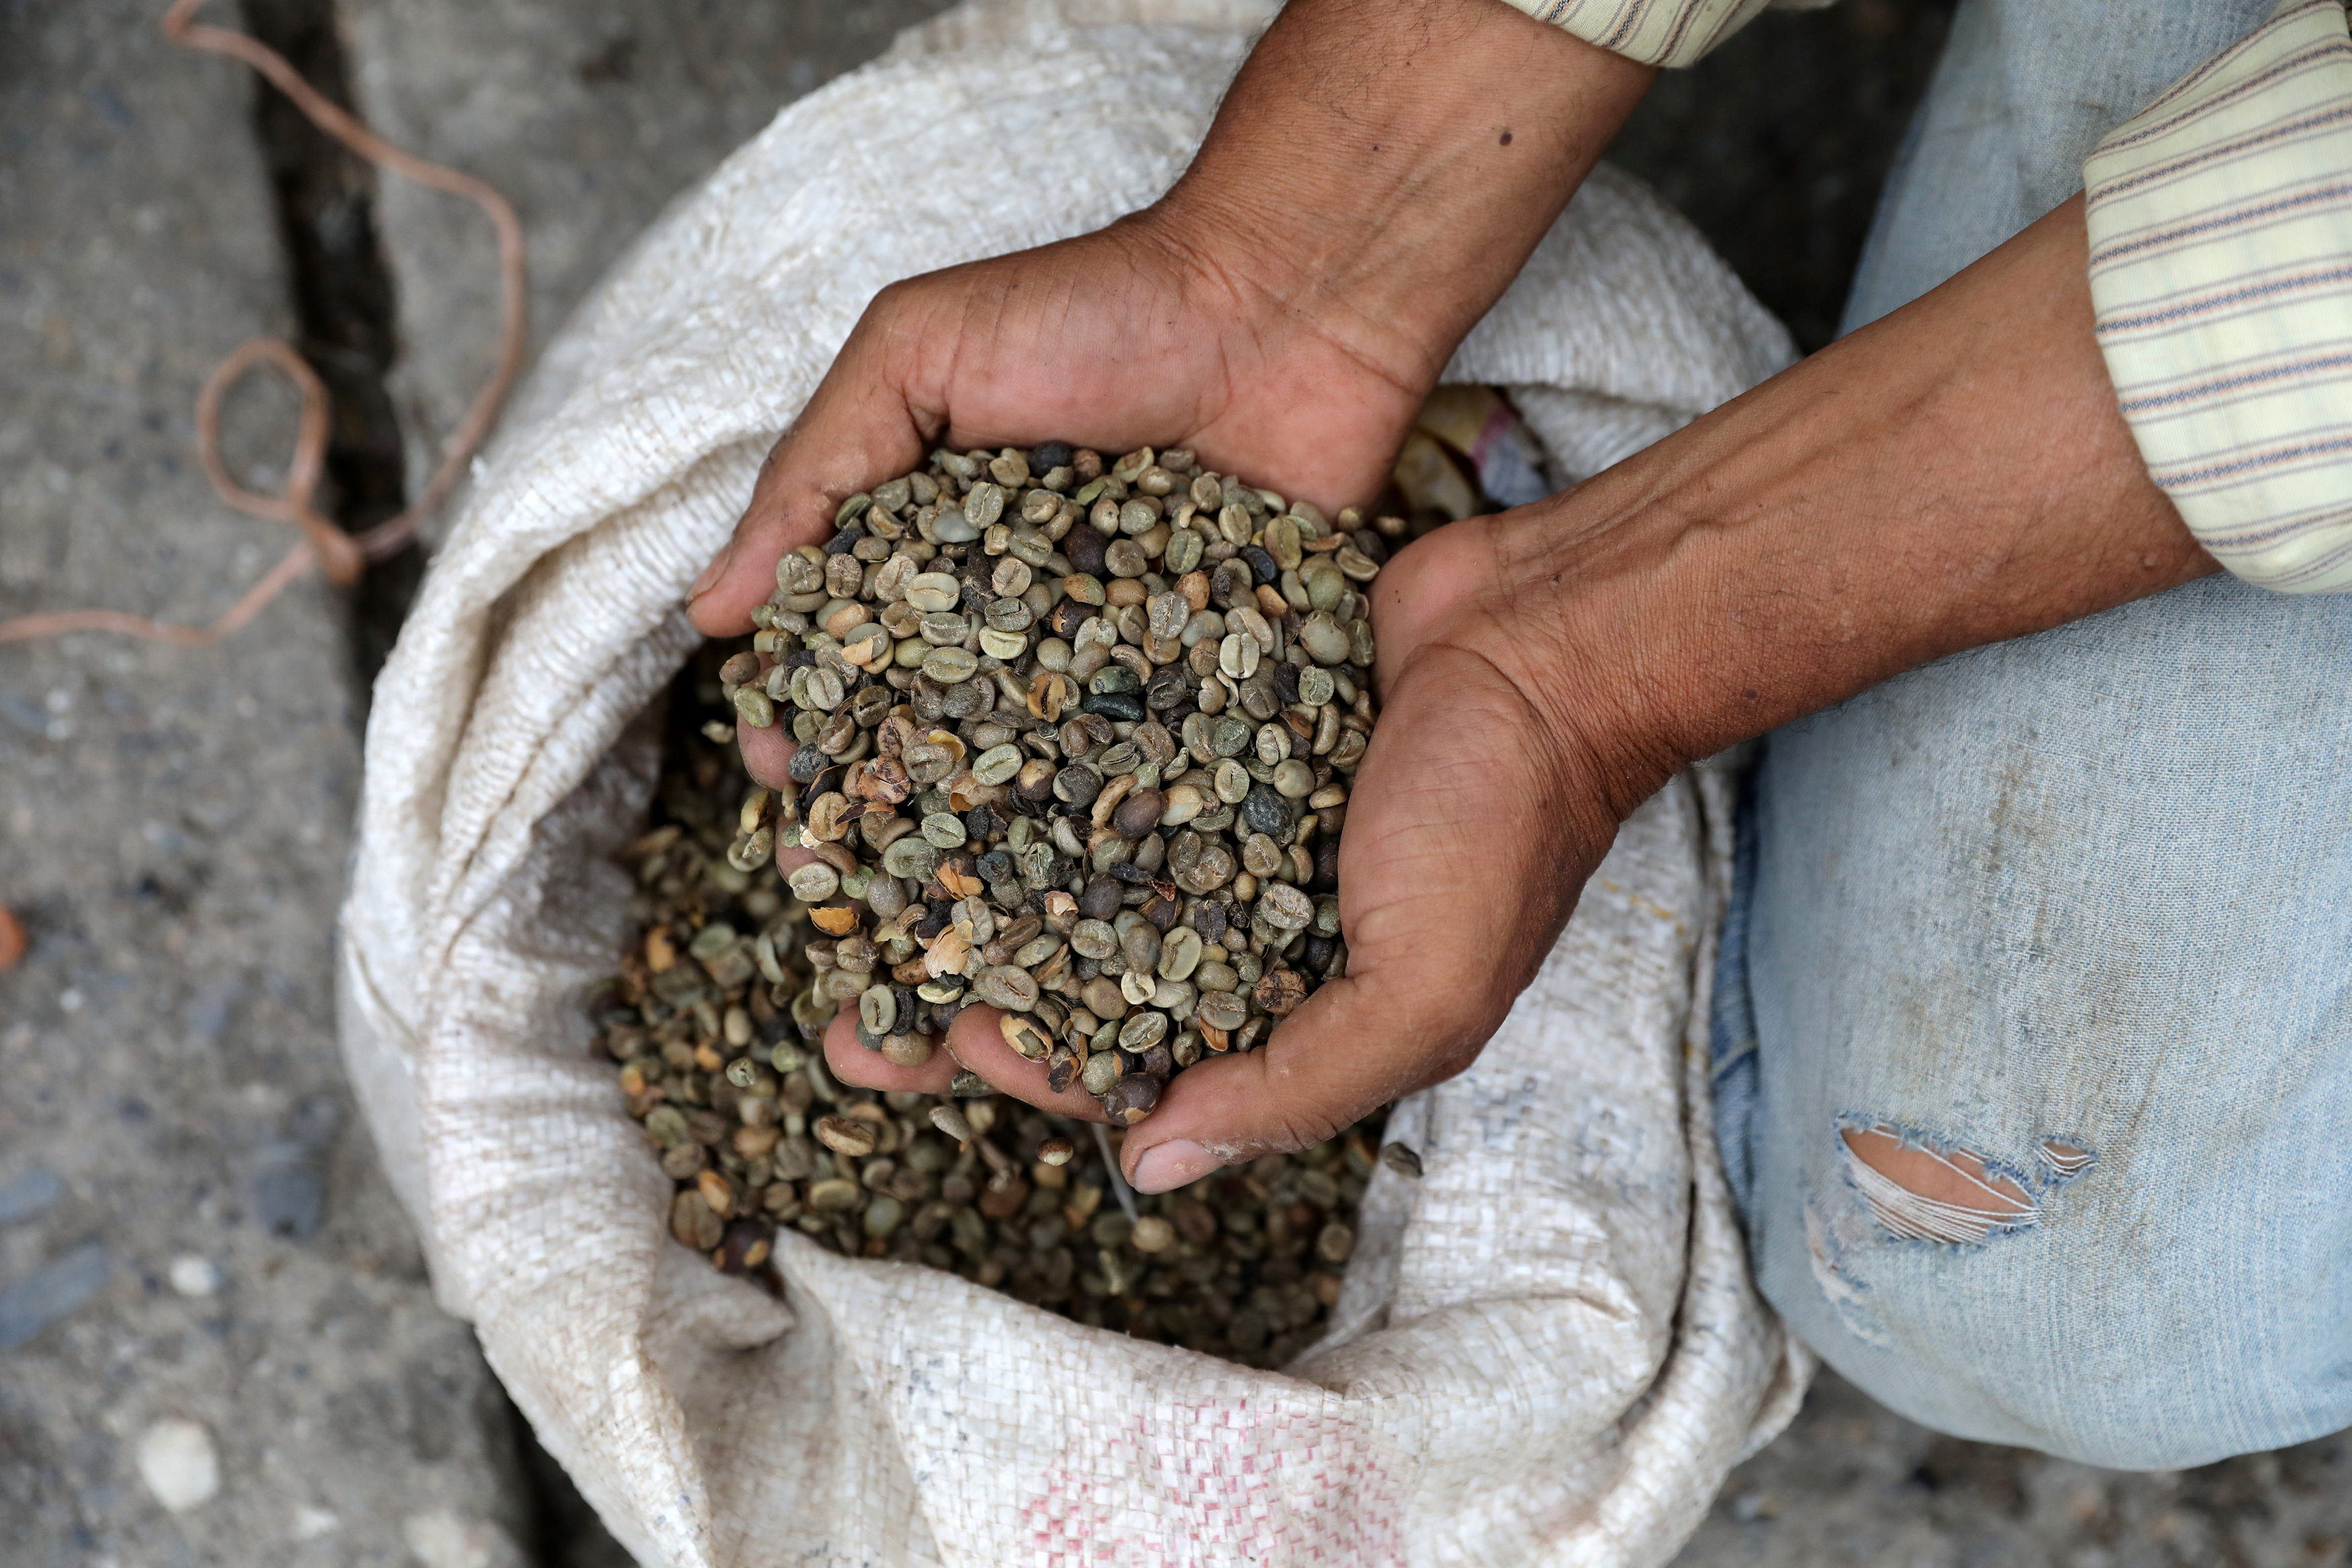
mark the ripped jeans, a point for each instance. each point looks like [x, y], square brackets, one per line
[2033, 1023]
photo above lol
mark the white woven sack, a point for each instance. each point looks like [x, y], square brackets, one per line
[1548, 1350]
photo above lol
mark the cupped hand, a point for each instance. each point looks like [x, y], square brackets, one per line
[1374, 179]
[1474, 819]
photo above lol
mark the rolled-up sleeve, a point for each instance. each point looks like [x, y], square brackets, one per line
[2220, 229]
[1656, 32]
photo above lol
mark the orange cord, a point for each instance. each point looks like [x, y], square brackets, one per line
[340, 555]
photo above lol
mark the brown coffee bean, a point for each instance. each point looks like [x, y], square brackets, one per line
[745, 1246]
[1003, 1197]
[1100, 900]
[1083, 546]
[1279, 991]
[694, 1222]
[1130, 1099]
[1023, 1035]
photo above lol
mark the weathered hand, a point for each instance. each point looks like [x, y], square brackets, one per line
[1477, 814]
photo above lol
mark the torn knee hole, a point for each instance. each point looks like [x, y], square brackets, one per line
[1924, 1194]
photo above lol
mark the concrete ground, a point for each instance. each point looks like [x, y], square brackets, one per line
[216, 1344]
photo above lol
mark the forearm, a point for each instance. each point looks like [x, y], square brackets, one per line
[1954, 475]
[1379, 171]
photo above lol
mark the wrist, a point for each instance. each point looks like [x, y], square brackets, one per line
[1954, 475]
[1553, 598]
[1378, 173]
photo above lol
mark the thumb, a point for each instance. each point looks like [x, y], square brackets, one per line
[1352, 1046]
[857, 427]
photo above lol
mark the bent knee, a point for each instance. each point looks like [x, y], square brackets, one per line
[2021, 1290]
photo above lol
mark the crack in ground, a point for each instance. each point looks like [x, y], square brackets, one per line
[346, 329]
[343, 309]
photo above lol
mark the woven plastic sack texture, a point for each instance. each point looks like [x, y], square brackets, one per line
[1548, 1349]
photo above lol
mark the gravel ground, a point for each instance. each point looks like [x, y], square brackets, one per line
[216, 1343]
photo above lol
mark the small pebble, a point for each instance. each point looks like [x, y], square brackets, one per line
[312, 1523]
[195, 1277]
[176, 1460]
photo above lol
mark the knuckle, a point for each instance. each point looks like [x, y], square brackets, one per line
[1304, 1126]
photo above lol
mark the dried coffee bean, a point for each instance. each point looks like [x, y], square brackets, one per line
[1025, 1037]
[1265, 811]
[1131, 1099]
[1003, 985]
[1222, 1009]
[1140, 813]
[1279, 991]
[745, 1246]
[695, 1223]
[1283, 906]
[847, 1136]
[1101, 898]
[1100, 1071]
[1142, 1031]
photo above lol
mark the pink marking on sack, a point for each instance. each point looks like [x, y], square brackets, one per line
[1498, 427]
[1212, 1482]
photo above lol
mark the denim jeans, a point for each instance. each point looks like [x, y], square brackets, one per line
[2069, 915]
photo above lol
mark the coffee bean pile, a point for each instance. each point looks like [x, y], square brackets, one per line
[1074, 742]
[756, 1135]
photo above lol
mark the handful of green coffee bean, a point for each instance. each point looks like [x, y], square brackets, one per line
[1074, 742]
[757, 1138]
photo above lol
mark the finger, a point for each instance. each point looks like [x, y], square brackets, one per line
[1426, 585]
[1352, 1048]
[768, 755]
[977, 1039]
[855, 428]
[860, 1067]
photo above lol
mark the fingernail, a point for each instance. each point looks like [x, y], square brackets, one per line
[1164, 1168]
[712, 573]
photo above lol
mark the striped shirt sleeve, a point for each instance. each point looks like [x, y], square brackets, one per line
[1667, 33]
[2221, 225]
